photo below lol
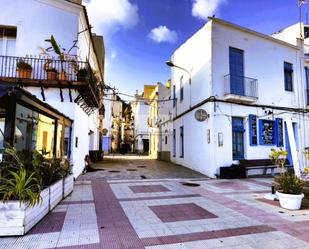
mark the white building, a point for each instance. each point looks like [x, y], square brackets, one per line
[140, 113]
[165, 123]
[248, 83]
[24, 27]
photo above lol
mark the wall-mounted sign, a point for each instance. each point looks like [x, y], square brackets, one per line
[279, 132]
[267, 132]
[201, 115]
[253, 130]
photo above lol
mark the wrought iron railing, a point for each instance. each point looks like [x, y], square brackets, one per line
[241, 86]
[49, 69]
[39, 68]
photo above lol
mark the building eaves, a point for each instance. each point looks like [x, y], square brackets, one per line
[252, 32]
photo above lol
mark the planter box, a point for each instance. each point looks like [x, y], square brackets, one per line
[68, 185]
[16, 219]
[55, 194]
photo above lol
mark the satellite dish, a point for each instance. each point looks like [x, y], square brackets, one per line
[201, 115]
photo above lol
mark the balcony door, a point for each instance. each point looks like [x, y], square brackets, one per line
[236, 57]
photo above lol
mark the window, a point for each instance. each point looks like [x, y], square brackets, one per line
[33, 131]
[7, 40]
[181, 146]
[165, 139]
[174, 95]
[307, 84]
[236, 59]
[174, 143]
[267, 132]
[181, 88]
[288, 76]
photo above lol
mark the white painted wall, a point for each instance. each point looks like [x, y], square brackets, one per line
[165, 119]
[207, 54]
[140, 112]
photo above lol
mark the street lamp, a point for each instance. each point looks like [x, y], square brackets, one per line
[171, 64]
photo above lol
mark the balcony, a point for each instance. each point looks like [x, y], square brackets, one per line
[52, 73]
[240, 89]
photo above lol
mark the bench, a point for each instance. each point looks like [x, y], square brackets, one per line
[264, 164]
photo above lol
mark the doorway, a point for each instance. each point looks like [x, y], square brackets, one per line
[238, 131]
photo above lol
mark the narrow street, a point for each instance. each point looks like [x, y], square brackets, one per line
[117, 167]
[116, 210]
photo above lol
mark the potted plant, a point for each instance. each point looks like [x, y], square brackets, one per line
[290, 190]
[24, 203]
[82, 74]
[62, 75]
[24, 69]
[290, 187]
[51, 73]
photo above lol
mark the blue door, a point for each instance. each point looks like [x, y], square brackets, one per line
[236, 57]
[106, 144]
[238, 138]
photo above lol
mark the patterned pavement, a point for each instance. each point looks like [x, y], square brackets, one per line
[163, 213]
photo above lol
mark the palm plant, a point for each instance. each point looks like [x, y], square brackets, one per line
[21, 186]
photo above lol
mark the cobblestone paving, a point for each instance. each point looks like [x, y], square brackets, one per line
[163, 213]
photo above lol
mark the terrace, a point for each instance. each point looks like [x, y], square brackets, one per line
[53, 73]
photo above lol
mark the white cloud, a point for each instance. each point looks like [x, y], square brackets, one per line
[113, 54]
[108, 15]
[163, 34]
[205, 8]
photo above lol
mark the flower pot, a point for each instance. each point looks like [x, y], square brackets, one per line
[288, 201]
[16, 219]
[68, 185]
[51, 75]
[62, 76]
[56, 194]
[24, 73]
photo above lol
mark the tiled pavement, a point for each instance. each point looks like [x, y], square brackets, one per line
[157, 214]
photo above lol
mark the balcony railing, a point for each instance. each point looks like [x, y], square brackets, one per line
[240, 86]
[47, 72]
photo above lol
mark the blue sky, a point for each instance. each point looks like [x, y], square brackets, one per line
[140, 35]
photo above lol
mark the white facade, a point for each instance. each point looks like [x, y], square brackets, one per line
[165, 124]
[140, 114]
[36, 21]
[208, 145]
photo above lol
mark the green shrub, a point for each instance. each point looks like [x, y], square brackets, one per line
[289, 183]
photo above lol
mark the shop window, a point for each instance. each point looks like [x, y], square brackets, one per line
[253, 130]
[267, 132]
[33, 131]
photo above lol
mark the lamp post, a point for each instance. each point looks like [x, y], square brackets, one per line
[171, 64]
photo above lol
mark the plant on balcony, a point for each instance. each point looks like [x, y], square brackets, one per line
[82, 74]
[51, 73]
[24, 69]
[62, 55]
